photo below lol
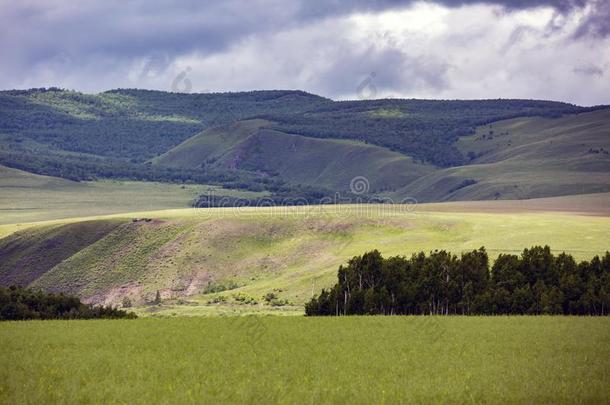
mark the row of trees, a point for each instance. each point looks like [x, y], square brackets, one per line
[291, 195]
[18, 303]
[536, 282]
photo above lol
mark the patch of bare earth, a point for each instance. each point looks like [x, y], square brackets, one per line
[115, 295]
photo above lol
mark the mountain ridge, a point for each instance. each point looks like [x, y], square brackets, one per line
[397, 144]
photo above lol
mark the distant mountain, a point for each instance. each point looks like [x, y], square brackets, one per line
[282, 140]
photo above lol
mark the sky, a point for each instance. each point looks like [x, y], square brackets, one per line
[436, 49]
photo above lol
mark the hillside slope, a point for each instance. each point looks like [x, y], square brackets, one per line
[29, 254]
[194, 254]
[526, 158]
[330, 163]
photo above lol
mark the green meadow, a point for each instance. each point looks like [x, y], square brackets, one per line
[27, 197]
[354, 360]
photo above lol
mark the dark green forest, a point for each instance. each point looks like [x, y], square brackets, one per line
[536, 282]
[18, 303]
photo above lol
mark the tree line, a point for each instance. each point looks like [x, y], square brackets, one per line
[18, 303]
[536, 282]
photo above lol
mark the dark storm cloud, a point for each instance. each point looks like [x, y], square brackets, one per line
[597, 23]
[94, 44]
[324, 8]
[37, 31]
[128, 29]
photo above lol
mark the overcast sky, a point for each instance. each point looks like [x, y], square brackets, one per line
[543, 49]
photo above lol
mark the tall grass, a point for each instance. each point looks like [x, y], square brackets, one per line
[307, 360]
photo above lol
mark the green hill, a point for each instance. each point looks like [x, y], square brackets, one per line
[191, 256]
[330, 163]
[526, 158]
[112, 134]
[28, 255]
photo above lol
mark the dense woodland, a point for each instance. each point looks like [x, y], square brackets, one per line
[536, 282]
[18, 303]
[135, 125]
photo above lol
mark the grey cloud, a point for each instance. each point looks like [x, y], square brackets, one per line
[325, 8]
[515, 37]
[156, 63]
[142, 28]
[588, 70]
[384, 71]
[597, 22]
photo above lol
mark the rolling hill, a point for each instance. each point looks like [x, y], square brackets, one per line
[526, 158]
[191, 256]
[95, 189]
[330, 163]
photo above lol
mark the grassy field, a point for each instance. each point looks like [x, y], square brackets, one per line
[356, 360]
[27, 197]
[291, 252]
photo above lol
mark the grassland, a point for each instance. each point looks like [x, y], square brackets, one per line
[356, 360]
[291, 252]
[27, 197]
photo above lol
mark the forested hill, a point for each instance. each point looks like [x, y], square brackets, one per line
[424, 129]
[120, 133]
[130, 124]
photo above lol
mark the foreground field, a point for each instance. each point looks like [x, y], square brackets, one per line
[307, 360]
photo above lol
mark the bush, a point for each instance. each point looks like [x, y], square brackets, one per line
[273, 300]
[218, 299]
[213, 287]
[244, 299]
